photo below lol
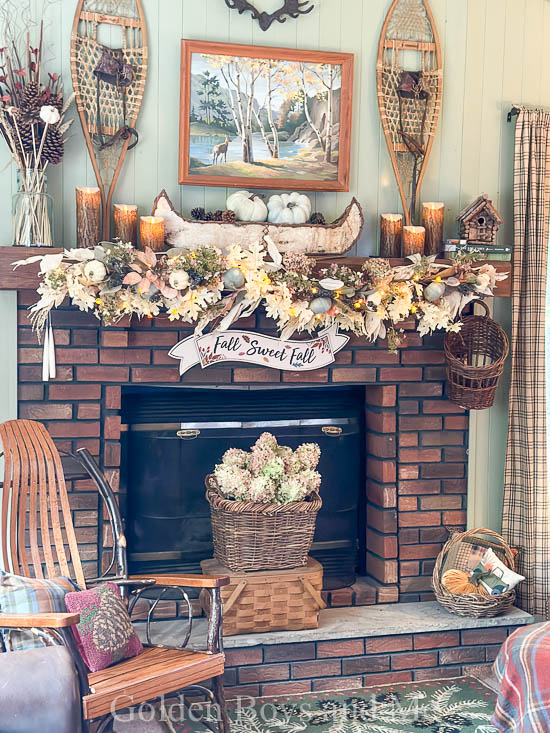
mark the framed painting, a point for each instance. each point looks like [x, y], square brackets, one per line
[262, 117]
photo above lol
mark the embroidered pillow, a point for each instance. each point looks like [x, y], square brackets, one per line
[31, 595]
[105, 634]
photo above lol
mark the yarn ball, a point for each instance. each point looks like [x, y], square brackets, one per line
[458, 583]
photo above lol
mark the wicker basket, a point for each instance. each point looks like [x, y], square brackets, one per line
[252, 536]
[475, 358]
[270, 600]
[471, 604]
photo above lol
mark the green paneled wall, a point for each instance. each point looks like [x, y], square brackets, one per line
[495, 54]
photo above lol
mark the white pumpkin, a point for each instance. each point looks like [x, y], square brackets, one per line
[247, 206]
[289, 208]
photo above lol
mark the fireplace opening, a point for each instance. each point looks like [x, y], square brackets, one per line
[175, 436]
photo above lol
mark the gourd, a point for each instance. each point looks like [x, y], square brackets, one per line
[247, 206]
[458, 582]
[289, 208]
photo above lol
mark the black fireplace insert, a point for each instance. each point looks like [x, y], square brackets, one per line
[175, 436]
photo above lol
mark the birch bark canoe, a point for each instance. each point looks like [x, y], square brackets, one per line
[335, 238]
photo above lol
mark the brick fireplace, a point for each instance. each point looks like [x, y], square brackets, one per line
[415, 438]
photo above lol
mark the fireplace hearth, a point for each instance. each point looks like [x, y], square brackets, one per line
[175, 437]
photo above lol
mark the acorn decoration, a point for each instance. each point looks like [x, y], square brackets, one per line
[317, 218]
[229, 217]
[198, 213]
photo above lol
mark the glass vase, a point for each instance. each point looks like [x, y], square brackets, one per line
[32, 210]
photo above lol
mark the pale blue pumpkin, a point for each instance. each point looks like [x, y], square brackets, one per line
[434, 291]
[233, 279]
[320, 305]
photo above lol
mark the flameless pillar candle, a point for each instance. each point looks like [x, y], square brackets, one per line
[391, 230]
[125, 219]
[151, 232]
[88, 216]
[413, 240]
[432, 220]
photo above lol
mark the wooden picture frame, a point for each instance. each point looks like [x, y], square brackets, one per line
[280, 76]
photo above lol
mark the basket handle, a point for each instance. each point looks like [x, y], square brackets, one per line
[480, 302]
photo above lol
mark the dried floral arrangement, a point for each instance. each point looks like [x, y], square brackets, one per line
[206, 287]
[32, 108]
[269, 472]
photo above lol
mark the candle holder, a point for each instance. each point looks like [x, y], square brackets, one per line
[88, 216]
[391, 231]
[151, 233]
[125, 220]
[413, 240]
[433, 215]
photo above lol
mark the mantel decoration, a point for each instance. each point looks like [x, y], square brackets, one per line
[32, 124]
[409, 100]
[316, 237]
[205, 287]
[289, 8]
[109, 85]
[264, 117]
[264, 504]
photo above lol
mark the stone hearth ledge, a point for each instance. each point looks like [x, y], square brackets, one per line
[350, 623]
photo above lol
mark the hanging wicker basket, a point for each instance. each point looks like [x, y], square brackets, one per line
[471, 604]
[251, 536]
[475, 358]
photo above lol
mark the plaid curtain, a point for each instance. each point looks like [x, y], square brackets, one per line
[526, 513]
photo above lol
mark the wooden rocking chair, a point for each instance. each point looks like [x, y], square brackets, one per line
[37, 539]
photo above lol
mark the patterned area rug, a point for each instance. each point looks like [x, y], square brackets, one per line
[461, 705]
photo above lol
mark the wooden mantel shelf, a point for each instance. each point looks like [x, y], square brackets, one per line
[26, 277]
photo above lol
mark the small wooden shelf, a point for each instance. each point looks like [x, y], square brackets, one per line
[26, 278]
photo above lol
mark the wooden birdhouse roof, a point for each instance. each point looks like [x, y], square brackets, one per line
[482, 203]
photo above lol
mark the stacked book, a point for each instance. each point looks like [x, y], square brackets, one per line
[489, 251]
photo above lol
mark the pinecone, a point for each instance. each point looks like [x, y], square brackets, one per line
[218, 215]
[317, 218]
[53, 146]
[56, 100]
[198, 213]
[229, 217]
[210, 216]
[111, 627]
[25, 133]
[30, 102]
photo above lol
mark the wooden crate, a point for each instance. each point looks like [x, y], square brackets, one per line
[269, 600]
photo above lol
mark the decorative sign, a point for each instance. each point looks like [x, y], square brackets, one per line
[255, 348]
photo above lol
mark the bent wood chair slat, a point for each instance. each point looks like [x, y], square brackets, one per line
[38, 539]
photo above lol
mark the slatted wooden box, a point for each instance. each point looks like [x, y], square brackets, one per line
[269, 600]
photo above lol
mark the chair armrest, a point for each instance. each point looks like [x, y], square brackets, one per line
[189, 581]
[39, 620]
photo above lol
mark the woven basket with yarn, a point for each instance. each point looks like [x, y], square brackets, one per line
[252, 536]
[472, 604]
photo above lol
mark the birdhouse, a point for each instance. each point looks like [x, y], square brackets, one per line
[479, 222]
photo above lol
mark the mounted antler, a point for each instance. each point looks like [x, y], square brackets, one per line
[292, 8]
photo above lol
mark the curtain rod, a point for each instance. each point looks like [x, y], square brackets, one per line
[513, 112]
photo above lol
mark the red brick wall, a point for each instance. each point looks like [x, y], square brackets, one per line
[291, 669]
[416, 439]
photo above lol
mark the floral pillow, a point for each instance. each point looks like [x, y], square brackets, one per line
[105, 634]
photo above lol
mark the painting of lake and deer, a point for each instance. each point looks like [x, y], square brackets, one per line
[265, 117]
